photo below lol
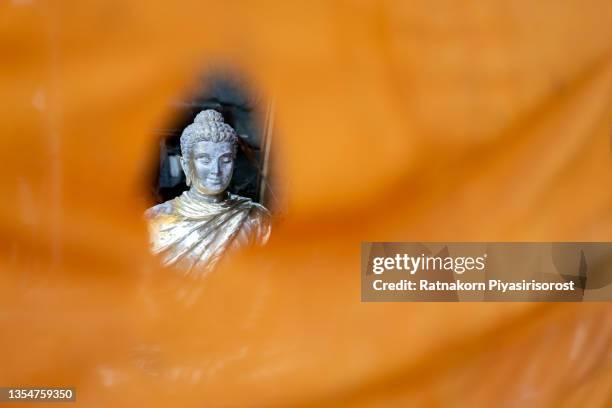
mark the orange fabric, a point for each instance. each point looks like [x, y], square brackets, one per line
[395, 121]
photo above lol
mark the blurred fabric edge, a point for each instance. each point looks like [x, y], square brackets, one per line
[399, 121]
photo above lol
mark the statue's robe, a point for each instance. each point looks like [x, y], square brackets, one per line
[193, 235]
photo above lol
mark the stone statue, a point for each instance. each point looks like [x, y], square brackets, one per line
[197, 228]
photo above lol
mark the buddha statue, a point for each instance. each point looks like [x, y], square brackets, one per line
[195, 230]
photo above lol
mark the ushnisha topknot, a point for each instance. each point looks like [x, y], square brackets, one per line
[209, 126]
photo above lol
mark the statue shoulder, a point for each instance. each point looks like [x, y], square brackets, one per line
[256, 210]
[260, 223]
[259, 211]
[165, 208]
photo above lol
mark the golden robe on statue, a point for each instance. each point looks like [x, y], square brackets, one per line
[191, 233]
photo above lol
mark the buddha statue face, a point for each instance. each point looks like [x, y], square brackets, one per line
[209, 148]
[212, 166]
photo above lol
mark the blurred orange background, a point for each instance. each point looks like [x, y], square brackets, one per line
[396, 121]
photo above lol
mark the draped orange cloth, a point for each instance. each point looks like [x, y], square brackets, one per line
[395, 121]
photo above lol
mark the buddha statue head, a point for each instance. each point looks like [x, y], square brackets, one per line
[208, 148]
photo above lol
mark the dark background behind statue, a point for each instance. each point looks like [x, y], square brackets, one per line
[242, 110]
